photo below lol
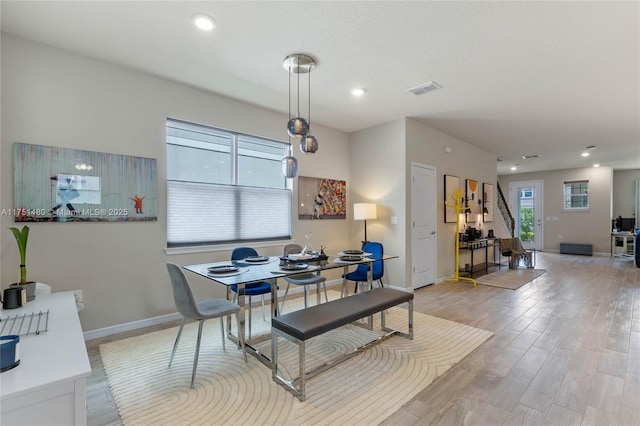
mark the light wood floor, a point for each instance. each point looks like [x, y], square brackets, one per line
[566, 351]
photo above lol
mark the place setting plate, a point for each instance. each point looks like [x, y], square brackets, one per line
[290, 267]
[255, 260]
[223, 270]
[353, 253]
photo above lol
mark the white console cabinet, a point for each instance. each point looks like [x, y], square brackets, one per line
[49, 385]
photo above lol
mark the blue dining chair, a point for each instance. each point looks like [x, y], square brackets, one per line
[360, 274]
[254, 289]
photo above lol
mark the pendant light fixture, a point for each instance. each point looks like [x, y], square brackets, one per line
[290, 164]
[309, 143]
[298, 126]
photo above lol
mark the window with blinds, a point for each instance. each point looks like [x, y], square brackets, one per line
[224, 187]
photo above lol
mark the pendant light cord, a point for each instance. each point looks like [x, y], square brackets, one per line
[289, 94]
[298, 89]
[309, 99]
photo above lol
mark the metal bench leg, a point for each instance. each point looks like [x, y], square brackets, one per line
[301, 368]
[410, 319]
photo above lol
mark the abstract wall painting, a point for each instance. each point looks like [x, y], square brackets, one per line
[53, 184]
[320, 198]
[487, 202]
[472, 195]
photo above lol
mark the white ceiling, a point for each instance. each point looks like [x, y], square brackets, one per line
[519, 78]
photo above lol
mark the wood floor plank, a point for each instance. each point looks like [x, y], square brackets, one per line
[566, 351]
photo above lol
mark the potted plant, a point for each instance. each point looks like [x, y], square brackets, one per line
[21, 238]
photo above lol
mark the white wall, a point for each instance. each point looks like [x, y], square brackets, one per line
[583, 227]
[625, 193]
[53, 97]
[427, 145]
[378, 173]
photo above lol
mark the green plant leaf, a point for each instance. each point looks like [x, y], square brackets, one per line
[21, 237]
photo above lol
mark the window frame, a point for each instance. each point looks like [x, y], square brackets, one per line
[569, 208]
[236, 139]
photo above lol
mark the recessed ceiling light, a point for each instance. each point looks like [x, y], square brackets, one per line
[596, 165]
[358, 91]
[514, 167]
[204, 22]
[585, 154]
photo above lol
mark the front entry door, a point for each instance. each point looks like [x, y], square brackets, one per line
[423, 222]
[525, 201]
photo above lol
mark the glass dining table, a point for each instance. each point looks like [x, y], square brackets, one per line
[269, 270]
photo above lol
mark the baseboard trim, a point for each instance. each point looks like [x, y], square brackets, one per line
[129, 326]
[134, 325]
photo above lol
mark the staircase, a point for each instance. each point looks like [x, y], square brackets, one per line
[505, 213]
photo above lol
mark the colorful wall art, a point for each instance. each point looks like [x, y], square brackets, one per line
[54, 184]
[320, 198]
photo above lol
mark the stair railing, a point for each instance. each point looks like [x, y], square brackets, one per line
[503, 208]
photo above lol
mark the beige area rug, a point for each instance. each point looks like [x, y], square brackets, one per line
[365, 389]
[511, 279]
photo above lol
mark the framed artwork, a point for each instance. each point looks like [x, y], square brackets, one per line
[320, 198]
[53, 184]
[451, 183]
[474, 203]
[487, 202]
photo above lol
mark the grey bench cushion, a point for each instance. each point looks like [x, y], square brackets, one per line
[313, 321]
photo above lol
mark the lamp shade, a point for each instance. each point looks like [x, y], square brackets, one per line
[364, 211]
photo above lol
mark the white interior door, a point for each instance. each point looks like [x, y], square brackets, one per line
[525, 203]
[423, 223]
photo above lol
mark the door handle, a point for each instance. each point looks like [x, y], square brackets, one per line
[433, 232]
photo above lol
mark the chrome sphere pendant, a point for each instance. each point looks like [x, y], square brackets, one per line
[289, 166]
[298, 127]
[309, 144]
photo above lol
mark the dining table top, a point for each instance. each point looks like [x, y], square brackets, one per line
[250, 272]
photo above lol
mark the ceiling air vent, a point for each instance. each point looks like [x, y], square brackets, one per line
[528, 157]
[424, 88]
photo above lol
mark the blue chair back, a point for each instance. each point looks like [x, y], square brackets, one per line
[240, 253]
[376, 250]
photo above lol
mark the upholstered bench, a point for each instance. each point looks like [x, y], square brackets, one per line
[304, 324]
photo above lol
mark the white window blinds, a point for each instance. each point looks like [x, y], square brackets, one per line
[200, 213]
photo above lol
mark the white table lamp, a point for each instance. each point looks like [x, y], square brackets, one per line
[364, 211]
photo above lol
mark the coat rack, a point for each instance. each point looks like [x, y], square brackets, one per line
[457, 196]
